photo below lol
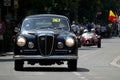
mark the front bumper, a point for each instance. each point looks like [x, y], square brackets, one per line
[39, 57]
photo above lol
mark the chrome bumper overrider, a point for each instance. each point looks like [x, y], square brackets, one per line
[66, 57]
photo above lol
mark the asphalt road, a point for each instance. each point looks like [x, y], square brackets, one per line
[93, 64]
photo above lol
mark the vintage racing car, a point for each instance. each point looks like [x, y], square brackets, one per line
[45, 39]
[90, 39]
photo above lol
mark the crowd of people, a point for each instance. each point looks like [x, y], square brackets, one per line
[105, 31]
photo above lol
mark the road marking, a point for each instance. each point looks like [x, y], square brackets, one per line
[77, 74]
[114, 62]
[80, 76]
[83, 78]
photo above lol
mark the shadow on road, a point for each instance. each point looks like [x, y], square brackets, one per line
[82, 70]
[53, 69]
[89, 48]
[6, 60]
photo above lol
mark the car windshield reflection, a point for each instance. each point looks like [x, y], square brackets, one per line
[45, 23]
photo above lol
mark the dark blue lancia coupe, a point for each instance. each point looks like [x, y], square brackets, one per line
[45, 39]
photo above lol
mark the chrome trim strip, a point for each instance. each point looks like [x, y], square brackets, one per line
[61, 50]
[52, 45]
[45, 44]
[39, 43]
[66, 57]
[31, 50]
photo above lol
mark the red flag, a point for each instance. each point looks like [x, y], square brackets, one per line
[112, 16]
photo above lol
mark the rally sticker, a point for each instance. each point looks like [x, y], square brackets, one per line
[56, 20]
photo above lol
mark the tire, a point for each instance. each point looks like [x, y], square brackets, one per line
[79, 45]
[18, 65]
[99, 43]
[119, 34]
[72, 65]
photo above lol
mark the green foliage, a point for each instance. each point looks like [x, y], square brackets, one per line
[75, 9]
[89, 9]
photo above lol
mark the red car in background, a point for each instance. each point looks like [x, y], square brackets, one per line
[90, 39]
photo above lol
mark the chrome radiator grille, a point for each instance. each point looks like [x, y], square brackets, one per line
[45, 43]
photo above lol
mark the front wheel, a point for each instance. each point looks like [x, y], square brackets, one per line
[99, 43]
[18, 65]
[72, 65]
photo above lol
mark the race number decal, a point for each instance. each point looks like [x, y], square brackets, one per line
[56, 20]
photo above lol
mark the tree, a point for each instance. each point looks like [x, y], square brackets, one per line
[79, 10]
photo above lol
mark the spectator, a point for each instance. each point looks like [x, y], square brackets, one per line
[89, 26]
[75, 27]
[119, 26]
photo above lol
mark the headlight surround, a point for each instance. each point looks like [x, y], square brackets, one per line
[21, 41]
[70, 42]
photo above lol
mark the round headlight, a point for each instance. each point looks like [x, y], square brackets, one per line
[31, 45]
[21, 41]
[60, 45]
[70, 42]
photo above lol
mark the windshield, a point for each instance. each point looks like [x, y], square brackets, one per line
[45, 23]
